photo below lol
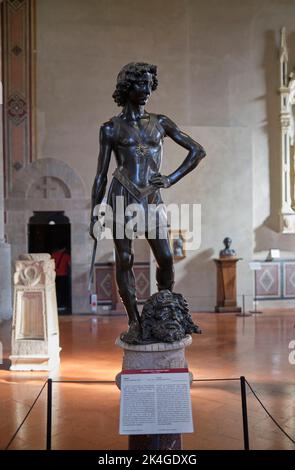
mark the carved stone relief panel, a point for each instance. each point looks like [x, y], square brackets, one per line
[48, 187]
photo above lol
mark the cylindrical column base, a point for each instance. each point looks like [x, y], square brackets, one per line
[154, 357]
[155, 442]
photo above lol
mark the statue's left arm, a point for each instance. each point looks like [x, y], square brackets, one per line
[195, 154]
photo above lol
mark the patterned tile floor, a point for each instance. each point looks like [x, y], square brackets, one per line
[86, 416]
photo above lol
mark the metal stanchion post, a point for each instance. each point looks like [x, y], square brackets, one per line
[255, 266]
[49, 414]
[255, 311]
[244, 314]
[244, 412]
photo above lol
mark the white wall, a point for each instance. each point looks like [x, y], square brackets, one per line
[218, 74]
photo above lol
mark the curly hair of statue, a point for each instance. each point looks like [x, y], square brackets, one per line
[129, 74]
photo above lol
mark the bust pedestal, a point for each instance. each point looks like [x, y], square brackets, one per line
[154, 356]
[226, 284]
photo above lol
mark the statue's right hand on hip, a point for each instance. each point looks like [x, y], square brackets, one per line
[160, 181]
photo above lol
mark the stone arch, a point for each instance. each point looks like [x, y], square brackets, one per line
[49, 187]
[67, 195]
[53, 168]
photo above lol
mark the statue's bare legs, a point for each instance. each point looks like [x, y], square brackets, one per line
[126, 280]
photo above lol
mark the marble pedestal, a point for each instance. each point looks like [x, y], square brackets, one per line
[35, 332]
[5, 282]
[154, 356]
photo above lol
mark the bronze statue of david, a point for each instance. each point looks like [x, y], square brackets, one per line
[136, 138]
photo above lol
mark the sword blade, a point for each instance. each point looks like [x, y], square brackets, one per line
[90, 278]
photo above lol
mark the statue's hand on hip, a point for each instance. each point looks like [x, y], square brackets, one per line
[160, 181]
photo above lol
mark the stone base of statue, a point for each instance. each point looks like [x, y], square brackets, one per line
[35, 332]
[154, 357]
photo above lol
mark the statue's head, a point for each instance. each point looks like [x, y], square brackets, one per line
[227, 242]
[135, 83]
[165, 318]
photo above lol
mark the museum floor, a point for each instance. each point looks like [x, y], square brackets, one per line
[85, 416]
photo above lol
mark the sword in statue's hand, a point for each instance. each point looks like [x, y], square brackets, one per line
[95, 232]
[90, 278]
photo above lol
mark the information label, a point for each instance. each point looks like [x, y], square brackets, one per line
[155, 402]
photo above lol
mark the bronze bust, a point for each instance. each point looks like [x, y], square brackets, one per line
[227, 251]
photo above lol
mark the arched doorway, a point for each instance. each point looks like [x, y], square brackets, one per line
[50, 232]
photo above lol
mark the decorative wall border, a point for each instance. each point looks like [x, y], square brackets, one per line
[18, 76]
[106, 287]
[289, 279]
[268, 281]
[286, 279]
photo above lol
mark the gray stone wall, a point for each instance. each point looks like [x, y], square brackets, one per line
[218, 75]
